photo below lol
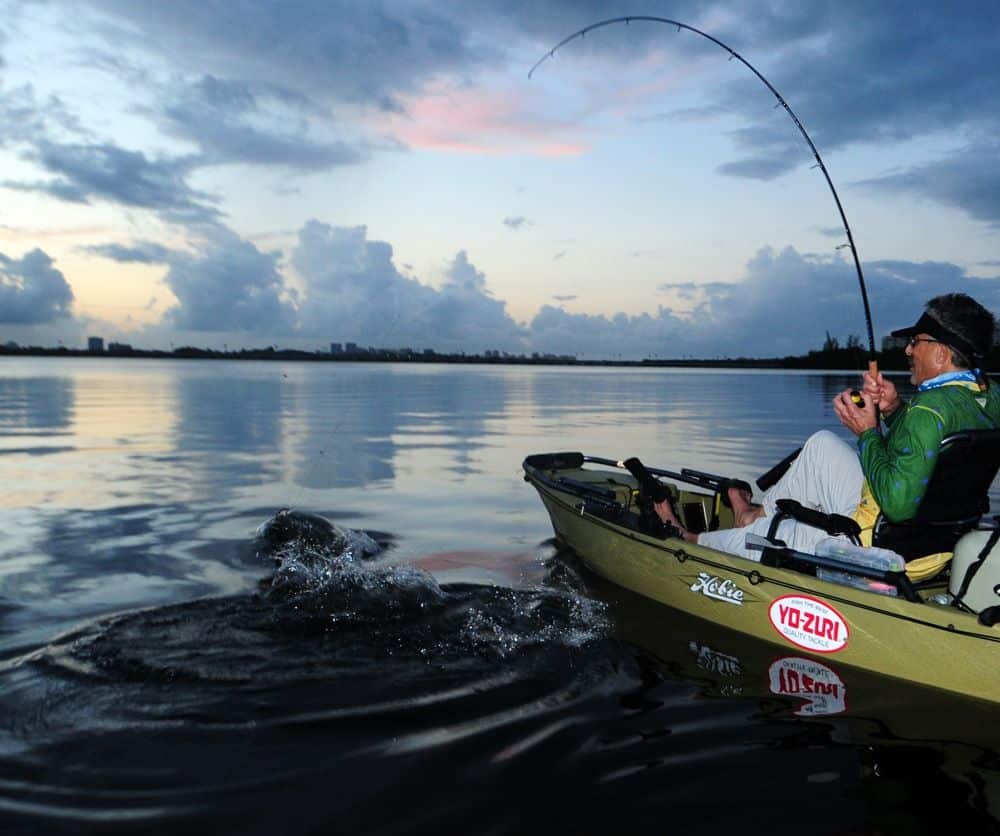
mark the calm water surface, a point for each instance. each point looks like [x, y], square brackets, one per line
[160, 668]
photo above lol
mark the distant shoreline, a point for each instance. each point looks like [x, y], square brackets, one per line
[820, 360]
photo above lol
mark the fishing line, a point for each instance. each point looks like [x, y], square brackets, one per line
[733, 54]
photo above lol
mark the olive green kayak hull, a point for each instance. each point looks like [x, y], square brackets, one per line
[930, 644]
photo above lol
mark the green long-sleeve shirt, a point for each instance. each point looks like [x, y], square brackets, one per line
[898, 467]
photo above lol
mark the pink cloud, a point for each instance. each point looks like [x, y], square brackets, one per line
[478, 121]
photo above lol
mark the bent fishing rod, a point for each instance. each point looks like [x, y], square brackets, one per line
[872, 363]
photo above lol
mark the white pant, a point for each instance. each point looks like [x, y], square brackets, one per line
[826, 476]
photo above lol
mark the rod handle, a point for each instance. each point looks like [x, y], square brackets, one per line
[873, 371]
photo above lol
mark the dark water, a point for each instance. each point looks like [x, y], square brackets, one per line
[162, 669]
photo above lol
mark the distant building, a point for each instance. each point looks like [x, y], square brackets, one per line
[351, 348]
[95, 345]
[119, 348]
[336, 348]
[10, 345]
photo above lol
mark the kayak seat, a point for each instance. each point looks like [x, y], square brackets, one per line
[957, 497]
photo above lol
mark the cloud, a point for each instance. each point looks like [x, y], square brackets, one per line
[25, 119]
[896, 76]
[782, 304]
[899, 289]
[261, 92]
[487, 117]
[363, 53]
[353, 291]
[223, 284]
[143, 252]
[228, 285]
[567, 298]
[559, 255]
[219, 115]
[350, 290]
[554, 331]
[129, 178]
[759, 168]
[968, 179]
[696, 290]
[60, 189]
[32, 290]
[84, 169]
[516, 221]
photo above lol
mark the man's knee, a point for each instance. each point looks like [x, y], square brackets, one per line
[825, 445]
[821, 438]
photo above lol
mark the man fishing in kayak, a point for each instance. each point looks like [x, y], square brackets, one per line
[945, 350]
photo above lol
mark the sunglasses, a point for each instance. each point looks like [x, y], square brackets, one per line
[912, 341]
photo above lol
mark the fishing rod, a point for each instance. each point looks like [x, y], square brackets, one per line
[872, 362]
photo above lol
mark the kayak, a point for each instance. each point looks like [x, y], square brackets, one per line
[918, 637]
[724, 664]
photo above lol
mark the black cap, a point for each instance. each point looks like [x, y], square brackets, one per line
[929, 325]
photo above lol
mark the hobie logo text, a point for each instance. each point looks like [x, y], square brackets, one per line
[721, 590]
[809, 623]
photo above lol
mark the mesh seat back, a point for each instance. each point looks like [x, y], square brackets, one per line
[966, 467]
[956, 497]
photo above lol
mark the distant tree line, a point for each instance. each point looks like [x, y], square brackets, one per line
[853, 354]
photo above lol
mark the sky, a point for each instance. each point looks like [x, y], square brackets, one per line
[237, 173]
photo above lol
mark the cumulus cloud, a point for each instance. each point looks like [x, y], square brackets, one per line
[782, 304]
[32, 290]
[350, 290]
[353, 291]
[554, 331]
[223, 284]
[698, 290]
[228, 285]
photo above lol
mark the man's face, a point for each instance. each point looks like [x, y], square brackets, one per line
[921, 354]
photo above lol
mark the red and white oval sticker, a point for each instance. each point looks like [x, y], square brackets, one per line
[809, 623]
